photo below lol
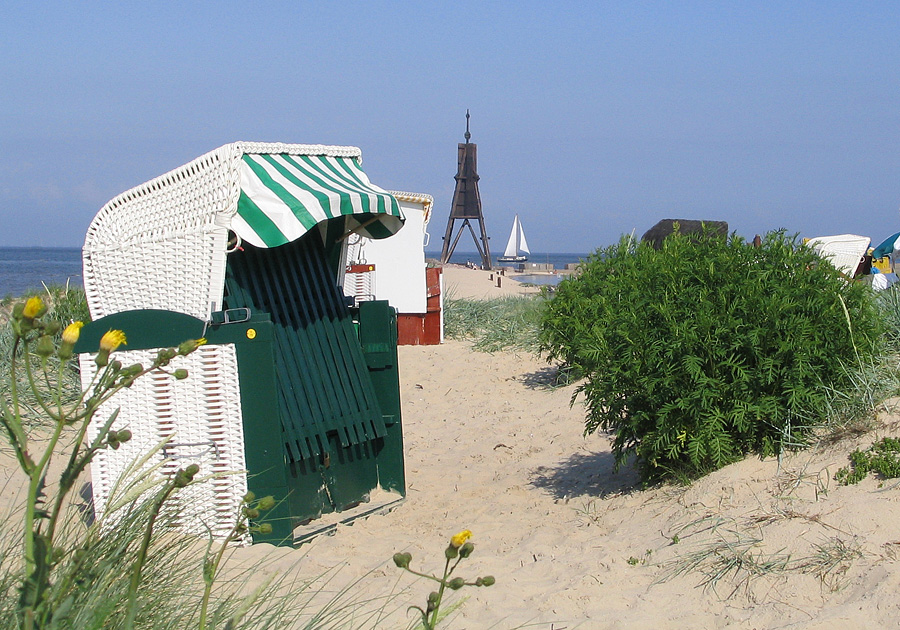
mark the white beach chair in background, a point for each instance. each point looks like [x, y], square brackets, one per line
[844, 251]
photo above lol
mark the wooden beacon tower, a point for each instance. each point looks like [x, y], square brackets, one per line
[466, 204]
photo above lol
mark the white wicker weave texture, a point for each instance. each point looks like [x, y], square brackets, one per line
[199, 417]
[845, 251]
[160, 245]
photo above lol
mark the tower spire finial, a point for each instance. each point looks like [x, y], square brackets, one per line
[468, 135]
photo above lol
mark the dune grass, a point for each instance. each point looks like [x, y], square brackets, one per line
[64, 304]
[506, 323]
[91, 590]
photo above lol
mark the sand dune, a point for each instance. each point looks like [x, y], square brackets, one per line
[491, 448]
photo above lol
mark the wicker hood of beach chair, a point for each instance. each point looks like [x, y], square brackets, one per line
[163, 244]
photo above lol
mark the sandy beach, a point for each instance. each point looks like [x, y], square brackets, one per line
[477, 284]
[492, 448]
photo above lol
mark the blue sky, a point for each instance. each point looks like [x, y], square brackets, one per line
[592, 119]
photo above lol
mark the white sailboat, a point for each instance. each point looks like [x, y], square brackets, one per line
[515, 244]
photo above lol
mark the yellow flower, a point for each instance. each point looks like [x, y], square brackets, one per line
[460, 539]
[71, 333]
[111, 340]
[33, 307]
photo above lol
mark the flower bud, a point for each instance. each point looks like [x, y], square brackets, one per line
[488, 580]
[190, 345]
[249, 497]
[44, 346]
[266, 503]
[456, 583]
[457, 540]
[451, 552]
[33, 308]
[402, 560]
[72, 332]
[124, 435]
[112, 339]
[180, 374]
[265, 528]
[69, 338]
[466, 550]
[251, 513]
[186, 475]
[51, 328]
[165, 355]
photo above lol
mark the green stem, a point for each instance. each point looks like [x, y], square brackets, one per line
[430, 625]
[17, 442]
[141, 558]
[33, 387]
[12, 419]
[209, 573]
[36, 479]
[68, 476]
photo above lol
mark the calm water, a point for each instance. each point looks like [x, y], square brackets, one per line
[559, 261]
[24, 268]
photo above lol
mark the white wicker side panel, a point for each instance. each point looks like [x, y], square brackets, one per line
[177, 275]
[201, 419]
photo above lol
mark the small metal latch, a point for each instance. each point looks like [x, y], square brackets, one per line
[230, 316]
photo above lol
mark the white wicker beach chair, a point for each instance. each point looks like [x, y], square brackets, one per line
[845, 251]
[163, 245]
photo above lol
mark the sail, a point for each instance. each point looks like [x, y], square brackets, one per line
[523, 245]
[512, 243]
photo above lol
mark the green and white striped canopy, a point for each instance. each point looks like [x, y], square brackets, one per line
[284, 196]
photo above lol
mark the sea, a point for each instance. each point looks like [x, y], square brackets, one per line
[24, 269]
[559, 261]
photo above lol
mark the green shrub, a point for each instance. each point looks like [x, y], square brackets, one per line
[708, 349]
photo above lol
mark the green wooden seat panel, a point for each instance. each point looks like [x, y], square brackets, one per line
[323, 383]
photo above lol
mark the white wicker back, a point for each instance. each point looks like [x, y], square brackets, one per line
[200, 417]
